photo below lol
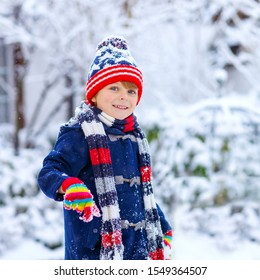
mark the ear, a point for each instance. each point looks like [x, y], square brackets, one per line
[94, 99]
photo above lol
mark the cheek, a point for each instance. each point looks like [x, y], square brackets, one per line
[104, 103]
[134, 102]
[106, 98]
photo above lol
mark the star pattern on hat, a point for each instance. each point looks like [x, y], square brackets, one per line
[113, 62]
[116, 42]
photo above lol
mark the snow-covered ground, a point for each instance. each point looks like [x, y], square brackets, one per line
[187, 246]
[195, 246]
[31, 250]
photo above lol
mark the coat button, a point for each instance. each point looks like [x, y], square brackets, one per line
[95, 230]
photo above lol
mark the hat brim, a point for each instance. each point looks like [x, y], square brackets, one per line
[113, 74]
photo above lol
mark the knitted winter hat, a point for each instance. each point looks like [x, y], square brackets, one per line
[113, 62]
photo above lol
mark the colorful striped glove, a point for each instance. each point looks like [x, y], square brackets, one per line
[167, 238]
[79, 198]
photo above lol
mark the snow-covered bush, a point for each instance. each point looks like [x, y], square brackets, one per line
[209, 159]
[25, 211]
[230, 224]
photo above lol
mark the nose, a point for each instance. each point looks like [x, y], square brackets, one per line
[123, 94]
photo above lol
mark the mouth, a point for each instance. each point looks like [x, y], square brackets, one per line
[120, 107]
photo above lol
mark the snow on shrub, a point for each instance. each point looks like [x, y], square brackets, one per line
[209, 159]
[25, 211]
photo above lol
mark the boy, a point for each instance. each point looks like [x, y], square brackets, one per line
[100, 168]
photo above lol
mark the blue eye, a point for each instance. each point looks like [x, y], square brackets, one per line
[132, 91]
[114, 88]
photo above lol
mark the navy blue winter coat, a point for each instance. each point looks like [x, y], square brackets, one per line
[70, 158]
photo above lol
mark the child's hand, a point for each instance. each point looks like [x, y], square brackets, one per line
[79, 198]
[167, 239]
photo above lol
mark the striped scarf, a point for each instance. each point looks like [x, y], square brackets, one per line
[91, 120]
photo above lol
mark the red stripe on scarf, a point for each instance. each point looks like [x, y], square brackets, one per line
[157, 255]
[110, 239]
[100, 156]
[146, 173]
[129, 126]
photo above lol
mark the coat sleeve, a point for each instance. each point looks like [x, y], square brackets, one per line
[68, 157]
[164, 223]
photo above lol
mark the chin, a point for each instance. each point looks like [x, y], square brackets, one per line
[121, 116]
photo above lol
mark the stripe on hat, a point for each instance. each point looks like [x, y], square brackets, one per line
[91, 85]
[113, 69]
[113, 74]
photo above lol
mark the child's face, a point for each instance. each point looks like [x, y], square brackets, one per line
[116, 100]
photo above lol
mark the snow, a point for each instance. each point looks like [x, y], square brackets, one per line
[201, 66]
[187, 246]
[190, 245]
[32, 250]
